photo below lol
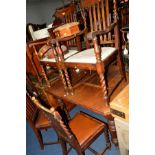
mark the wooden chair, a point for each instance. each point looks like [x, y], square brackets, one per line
[43, 74]
[37, 121]
[80, 132]
[67, 14]
[35, 117]
[105, 50]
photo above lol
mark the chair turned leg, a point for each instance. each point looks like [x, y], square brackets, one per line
[66, 92]
[101, 71]
[104, 88]
[45, 76]
[62, 64]
[68, 82]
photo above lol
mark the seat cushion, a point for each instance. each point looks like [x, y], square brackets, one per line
[67, 55]
[42, 121]
[40, 34]
[85, 128]
[88, 55]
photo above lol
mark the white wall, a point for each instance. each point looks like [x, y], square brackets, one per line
[41, 11]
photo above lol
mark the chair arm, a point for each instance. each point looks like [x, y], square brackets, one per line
[92, 35]
[38, 42]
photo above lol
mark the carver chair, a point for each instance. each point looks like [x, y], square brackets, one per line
[103, 47]
[79, 132]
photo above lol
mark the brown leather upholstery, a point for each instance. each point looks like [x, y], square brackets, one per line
[85, 128]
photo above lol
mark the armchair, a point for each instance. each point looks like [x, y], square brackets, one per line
[103, 47]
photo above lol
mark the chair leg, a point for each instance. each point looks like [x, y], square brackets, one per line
[112, 129]
[106, 134]
[79, 46]
[68, 81]
[108, 144]
[121, 67]
[65, 70]
[39, 137]
[104, 87]
[79, 152]
[64, 147]
[45, 77]
[101, 70]
[66, 93]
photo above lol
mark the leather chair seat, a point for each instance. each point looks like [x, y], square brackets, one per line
[85, 128]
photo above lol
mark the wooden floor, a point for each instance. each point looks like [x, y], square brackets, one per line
[88, 96]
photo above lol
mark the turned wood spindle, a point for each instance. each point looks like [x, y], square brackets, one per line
[64, 68]
[60, 71]
[42, 69]
[100, 70]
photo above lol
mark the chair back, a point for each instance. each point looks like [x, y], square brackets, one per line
[31, 110]
[33, 65]
[36, 31]
[68, 14]
[59, 121]
[100, 14]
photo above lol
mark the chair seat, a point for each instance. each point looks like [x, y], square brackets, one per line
[85, 128]
[67, 55]
[42, 121]
[88, 55]
[40, 34]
